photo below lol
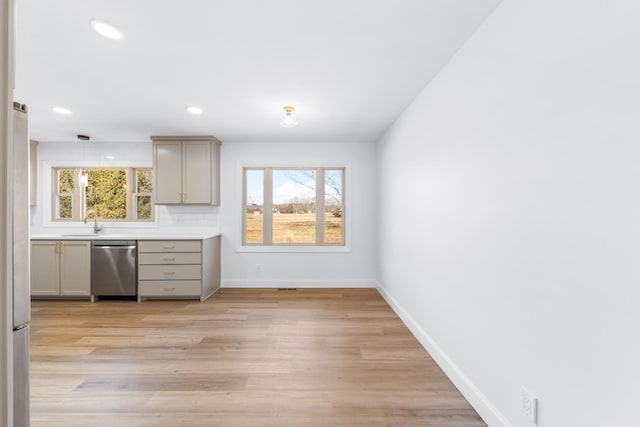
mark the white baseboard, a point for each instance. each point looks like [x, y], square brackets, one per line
[299, 283]
[469, 390]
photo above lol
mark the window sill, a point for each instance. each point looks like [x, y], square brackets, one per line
[123, 224]
[294, 249]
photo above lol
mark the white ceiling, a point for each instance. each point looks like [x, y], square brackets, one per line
[349, 67]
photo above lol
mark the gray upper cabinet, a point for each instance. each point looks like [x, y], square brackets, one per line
[186, 170]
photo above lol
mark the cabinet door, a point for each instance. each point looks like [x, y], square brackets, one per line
[45, 272]
[167, 175]
[75, 268]
[215, 173]
[196, 172]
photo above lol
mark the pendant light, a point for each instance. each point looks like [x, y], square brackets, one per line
[288, 121]
[84, 178]
[84, 175]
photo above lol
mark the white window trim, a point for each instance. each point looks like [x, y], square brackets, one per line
[45, 205]
[239, 204]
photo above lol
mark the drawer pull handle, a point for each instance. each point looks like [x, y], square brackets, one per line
[169, 289]
[169, 273]
[169, 247]
[169, 259]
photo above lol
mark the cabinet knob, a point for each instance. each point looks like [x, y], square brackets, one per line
[169, 259]
[169, 273]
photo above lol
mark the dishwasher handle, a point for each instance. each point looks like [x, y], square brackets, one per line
[114, 243]
[122, 248]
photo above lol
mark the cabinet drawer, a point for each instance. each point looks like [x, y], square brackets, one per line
[169, 272]
[169, 246]
[148, 288]
[169, 258]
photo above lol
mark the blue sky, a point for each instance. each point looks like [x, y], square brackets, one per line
[287, 184]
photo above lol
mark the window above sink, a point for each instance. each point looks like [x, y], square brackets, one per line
[115, 194]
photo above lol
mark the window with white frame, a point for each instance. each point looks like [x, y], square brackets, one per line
[293, 206]
[112, 194]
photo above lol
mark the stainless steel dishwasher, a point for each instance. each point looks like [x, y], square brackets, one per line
[113, 268]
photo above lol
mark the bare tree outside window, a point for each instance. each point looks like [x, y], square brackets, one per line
[333, 206]
[294, 202]
[304, 206]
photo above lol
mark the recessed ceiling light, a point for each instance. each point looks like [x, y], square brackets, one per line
[61, 110]
[106, 30]
[194, 110]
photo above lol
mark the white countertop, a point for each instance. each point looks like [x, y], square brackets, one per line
[188, 235]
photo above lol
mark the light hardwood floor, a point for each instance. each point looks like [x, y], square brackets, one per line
[245, 357]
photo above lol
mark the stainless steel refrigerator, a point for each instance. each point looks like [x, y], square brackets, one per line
[21, 291]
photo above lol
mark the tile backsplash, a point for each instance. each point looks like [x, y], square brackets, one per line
[194, 216]
[168, 217]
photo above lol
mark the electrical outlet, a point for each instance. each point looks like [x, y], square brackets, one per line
[529, 405]
[258, 268]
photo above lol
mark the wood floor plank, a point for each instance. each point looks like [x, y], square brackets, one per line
[245, 357]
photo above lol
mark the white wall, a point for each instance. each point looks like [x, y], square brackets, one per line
[516, 260]
[354, 267]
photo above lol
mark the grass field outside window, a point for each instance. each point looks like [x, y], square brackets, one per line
[293, 206]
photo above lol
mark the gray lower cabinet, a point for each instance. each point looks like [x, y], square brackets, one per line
[178, 268]
[60, 268]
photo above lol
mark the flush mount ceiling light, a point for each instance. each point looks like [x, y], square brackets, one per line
[106, 30]
[194, 110]
[288, 121]
[62, 110]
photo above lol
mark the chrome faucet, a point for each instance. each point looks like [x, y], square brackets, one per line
[96, 229]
